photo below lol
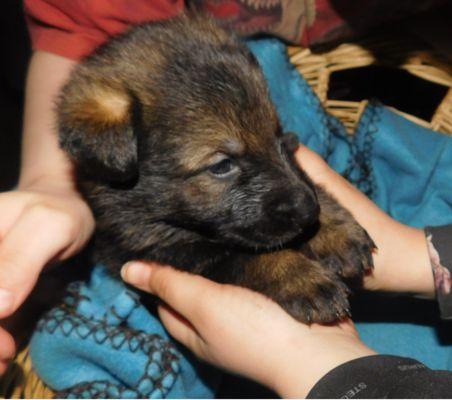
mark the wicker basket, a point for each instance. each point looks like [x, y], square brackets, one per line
[21, 382]
[418, 59]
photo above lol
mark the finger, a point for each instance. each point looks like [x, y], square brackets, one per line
[314, 165]
[181, 329]
[3, 367]
[182, 291]
[7, 350]
[305, 155]
[7, 346]
[37, 237]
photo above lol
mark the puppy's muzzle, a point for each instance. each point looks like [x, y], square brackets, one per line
[295, 209]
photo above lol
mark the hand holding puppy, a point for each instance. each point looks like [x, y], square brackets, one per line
[401, 262]
[244, 332]
[38, 224]
[45, 219]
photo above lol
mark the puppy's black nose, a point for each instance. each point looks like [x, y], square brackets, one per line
[284, 207]
[298, 208]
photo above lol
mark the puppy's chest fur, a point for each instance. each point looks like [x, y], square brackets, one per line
[181, 157]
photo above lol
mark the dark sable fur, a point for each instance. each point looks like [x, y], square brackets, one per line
[146, 116]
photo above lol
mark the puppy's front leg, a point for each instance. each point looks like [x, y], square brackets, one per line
[304, 288]
[341, 243]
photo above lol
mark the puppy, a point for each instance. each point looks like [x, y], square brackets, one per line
[181, 156]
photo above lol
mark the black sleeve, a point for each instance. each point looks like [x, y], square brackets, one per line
[383, 376]
[439, 242]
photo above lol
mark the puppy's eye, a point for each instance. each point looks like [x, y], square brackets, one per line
[223, 168]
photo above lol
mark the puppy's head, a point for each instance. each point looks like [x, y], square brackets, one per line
[173, 126]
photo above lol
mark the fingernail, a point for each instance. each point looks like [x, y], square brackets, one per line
[135, 273]
[6, 302]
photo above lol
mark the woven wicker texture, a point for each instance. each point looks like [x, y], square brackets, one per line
[21, 382]
[402, 51]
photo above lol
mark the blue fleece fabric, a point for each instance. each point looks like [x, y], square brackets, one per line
[103, 343]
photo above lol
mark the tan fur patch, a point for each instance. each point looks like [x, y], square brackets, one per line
[107, 107]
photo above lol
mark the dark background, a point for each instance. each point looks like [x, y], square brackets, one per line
[14, 55]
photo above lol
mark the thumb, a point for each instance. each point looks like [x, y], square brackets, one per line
[37, 237]
[313, 164]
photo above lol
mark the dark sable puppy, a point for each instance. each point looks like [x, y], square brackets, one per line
[182, 159]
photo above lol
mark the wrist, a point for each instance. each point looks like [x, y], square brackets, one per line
[402, 263]
[62, 182]
[311, 356]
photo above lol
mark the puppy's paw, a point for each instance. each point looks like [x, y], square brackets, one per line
[325, 301]
[341, 244]
[350, 255]
[302, 286]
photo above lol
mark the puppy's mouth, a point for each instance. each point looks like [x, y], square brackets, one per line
[262, 241]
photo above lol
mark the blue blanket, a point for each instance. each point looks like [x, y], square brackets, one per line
[103, 343]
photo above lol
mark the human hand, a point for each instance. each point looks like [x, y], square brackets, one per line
[46, 221]
[401, 262]
[244, 332]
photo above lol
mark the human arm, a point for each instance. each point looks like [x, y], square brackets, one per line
[45, 218]
[245, 333]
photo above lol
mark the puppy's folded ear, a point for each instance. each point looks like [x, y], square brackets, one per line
[95, 119]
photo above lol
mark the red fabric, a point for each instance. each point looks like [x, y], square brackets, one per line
[74, 28]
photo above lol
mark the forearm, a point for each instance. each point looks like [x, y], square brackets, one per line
[46, 197]
[400, 248]
[42, 159]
